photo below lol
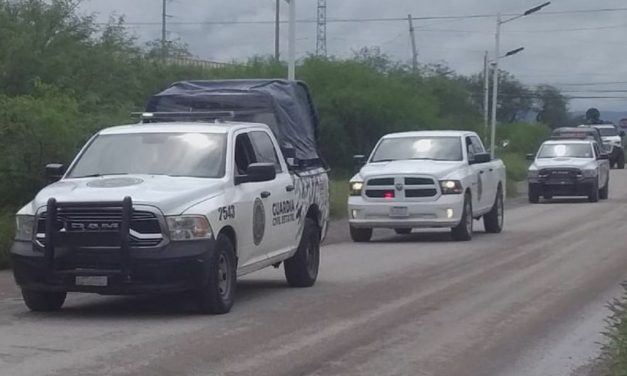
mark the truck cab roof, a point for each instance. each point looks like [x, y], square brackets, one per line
[183, 127]
[430, 134]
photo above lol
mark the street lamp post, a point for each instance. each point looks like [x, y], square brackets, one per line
[497, 57]
[291, 54]
[486, 89]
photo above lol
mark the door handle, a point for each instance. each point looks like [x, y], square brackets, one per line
[491, 169]
[265, 194]
[290, 188]
[481, 172]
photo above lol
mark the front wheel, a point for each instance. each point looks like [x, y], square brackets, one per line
[360, 235]
[534, 195]
[463, 231]
[218, 294]
[301, 270]
[43, 301]
[593, 196]
[493, 220]
[605, 191]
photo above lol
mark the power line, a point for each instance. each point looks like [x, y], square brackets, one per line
[377, 19]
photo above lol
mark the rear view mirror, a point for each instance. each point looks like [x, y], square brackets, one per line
[54, 172]
[257, 172]
[531, 157]
[289, 153]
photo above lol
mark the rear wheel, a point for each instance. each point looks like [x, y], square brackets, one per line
[463, 231]
[493, 220]
[301, 270]
[360, 235]
[218, 294]
[43, 301]
[534, 195]
[403, 231]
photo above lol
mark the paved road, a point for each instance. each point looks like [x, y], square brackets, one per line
[529, 301]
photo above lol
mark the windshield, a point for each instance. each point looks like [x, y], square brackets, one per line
[608, 132]
[566, 151]
[434, 148]
[175, 154]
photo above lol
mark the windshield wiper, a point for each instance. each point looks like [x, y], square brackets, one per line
[98, 175]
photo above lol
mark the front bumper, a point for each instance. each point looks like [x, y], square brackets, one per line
[445, 212]
[566, 187]
[178, 266]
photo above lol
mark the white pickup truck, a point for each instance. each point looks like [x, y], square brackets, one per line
[428, 179]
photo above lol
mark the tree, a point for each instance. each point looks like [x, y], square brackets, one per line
[552, 106]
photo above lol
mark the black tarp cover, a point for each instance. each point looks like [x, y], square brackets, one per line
[285, 106]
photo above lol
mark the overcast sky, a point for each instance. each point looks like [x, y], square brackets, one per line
[560, 49]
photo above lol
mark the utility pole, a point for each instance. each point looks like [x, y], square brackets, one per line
[163, 28]
[291, 66]
[495, 89]
[321, 33]
[486, 97]
[414, 51]
[277, 29]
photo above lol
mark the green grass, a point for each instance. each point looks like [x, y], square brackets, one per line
[7, 228]
[516, 166]
[338, 197]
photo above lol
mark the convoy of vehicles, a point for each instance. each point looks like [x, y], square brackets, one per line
[427, 179]
[186, 200]
[569, 168]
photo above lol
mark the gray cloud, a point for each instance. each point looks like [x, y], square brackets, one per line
[556, 51]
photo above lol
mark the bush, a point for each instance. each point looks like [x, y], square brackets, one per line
[615, 352]
[7, 231]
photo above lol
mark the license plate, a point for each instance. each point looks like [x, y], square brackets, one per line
[399, 212]
[92, 281]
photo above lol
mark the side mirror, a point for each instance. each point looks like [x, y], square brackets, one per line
[481, 158]
[289, 153]
[531, 157]
[257, 172]
[54, 172]
[358, 161]
[603, 157]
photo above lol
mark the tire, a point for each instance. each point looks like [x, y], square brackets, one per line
[402, 231]
[218, 294]
[360, 235]
[493, 220]
[301, 270]
[621, 160]
[463, 231]
[604, 192]
[593, 196]
[534, 196]
[43, 301]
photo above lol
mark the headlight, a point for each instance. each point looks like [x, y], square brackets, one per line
[589, 173]
[451, 187]
[533, 173]
[356, 187]
[189, 228]
[25, 225]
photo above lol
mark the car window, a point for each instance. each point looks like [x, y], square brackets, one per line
[244, 154]
[476, 143]
[265, 151]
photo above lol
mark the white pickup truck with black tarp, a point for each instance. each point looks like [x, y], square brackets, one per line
[219, 179]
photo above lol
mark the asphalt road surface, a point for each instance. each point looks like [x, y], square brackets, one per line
[529, 301]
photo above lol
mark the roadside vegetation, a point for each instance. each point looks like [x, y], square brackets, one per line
[614, 359]
[64, 77]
